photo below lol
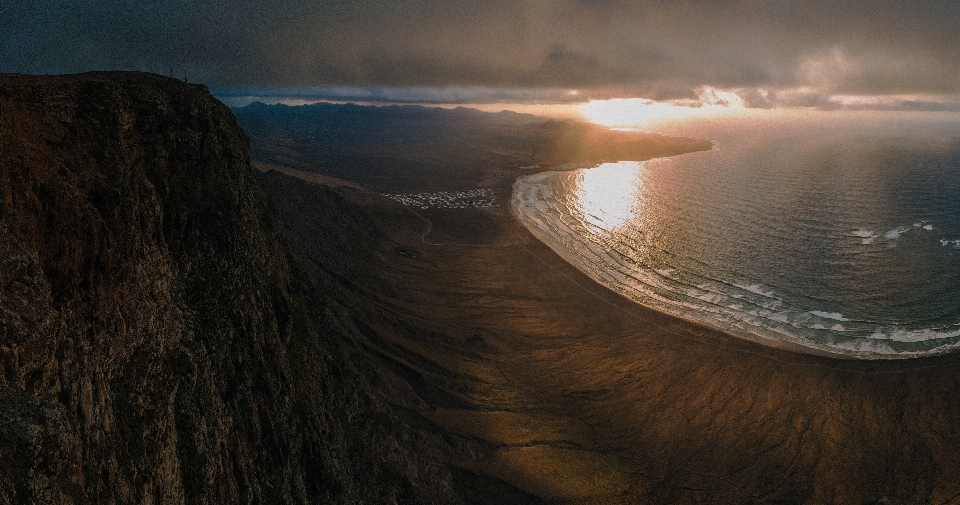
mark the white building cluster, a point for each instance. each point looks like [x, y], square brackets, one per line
[470, 199]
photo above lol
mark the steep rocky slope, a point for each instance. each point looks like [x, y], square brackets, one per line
[152, 349]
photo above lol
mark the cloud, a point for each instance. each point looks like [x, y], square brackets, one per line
[766, 49]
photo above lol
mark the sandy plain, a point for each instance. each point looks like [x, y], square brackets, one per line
[569, 392]
[588, 397]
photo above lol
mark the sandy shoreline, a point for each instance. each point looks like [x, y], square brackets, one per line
[595, 399]
[541, 201]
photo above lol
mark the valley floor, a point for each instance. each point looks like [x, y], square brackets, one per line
[556, 389]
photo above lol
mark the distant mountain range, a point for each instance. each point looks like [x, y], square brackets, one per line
[434, 145]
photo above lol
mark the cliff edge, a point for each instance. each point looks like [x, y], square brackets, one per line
[150, 348]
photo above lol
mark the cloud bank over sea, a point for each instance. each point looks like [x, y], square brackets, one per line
[812, 54]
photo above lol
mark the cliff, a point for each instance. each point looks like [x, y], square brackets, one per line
[152, 349]
[176, 327]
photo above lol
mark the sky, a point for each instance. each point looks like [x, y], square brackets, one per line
[879, 54]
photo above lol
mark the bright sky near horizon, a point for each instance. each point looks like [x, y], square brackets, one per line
[686, 55]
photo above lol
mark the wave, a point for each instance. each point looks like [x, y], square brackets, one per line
[750, 309]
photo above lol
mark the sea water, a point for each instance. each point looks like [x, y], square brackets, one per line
[837, 233]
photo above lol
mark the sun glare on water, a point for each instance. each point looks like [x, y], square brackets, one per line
[633, 112]
[608, 195]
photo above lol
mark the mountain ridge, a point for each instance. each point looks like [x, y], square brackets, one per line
[151, 346]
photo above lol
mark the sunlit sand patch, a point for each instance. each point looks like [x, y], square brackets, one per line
[508, 428]
[470, 199]
[558, 474]
[537, 457]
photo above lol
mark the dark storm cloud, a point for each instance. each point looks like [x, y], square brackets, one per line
[605, 48]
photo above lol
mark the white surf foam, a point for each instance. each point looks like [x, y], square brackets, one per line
[896, 232]
[868, 236]
[756, 289]
[729, 307]
[836, 316]
[914, 336]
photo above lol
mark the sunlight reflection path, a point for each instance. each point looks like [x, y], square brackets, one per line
[609, 196]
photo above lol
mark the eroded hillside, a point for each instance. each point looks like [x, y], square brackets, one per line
[152, 348]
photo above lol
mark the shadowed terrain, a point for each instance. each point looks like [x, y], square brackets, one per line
[154, 347]
[177, 327]
[590, 398]
[400, 149]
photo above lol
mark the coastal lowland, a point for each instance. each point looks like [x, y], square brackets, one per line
[206, 305]
[583, 395]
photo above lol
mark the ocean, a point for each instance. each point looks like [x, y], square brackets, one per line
[831, 232]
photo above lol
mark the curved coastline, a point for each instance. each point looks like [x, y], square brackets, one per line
[611, 271]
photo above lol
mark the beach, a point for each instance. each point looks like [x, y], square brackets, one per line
[582, 396]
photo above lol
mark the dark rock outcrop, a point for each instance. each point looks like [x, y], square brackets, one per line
[151, 350]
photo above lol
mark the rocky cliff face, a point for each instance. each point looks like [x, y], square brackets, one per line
[151, 350]
[143, 298]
